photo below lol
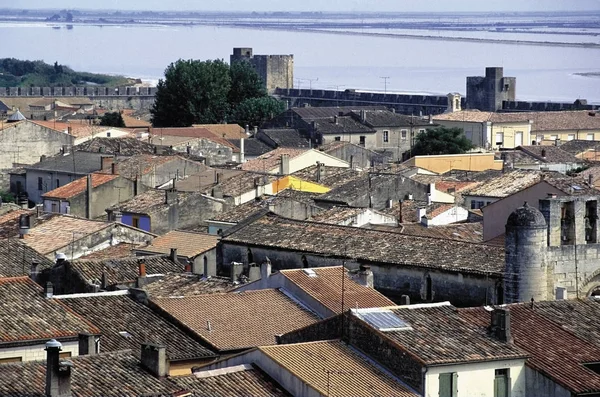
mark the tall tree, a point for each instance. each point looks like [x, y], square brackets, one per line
[245, 83]
[441, 140]
[112, 119]
[192, 92]
[255, 111]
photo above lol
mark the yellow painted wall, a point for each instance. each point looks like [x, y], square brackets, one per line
[291, 182]
[447, 162]
[509, 132]
[566, 135]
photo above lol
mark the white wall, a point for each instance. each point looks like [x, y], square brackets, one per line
[310, 158]
[477, 380]
[452, 215]
[37, 352]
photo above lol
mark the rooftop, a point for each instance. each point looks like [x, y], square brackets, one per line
[331, 177]
[126, 324]
[468, 232]
[188, 244]
[342, 125]
[369, 245]
[192, 133]
[237, 320]
[244, 182]
[9, 222]
[578, 146]
[227, 131]
[123, 270]
[323, 112]
[506, 184]
[549, 343]
[325, 285]
[187, 284]
[284, 137]
[117, 251]
[271, 160]
[387, 118]
[351, 373]
[80, 163]
[27, 315]
[337, 215]
[123, 146]
[79, 186]
[437, 335]
[149, 201]
[550, 154]
[252, 146]
[16, 258]
[142, 164]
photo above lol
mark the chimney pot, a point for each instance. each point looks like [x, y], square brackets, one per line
[284, 165]
[365, 276]
[34, 271]
[265, 273]
[173, 255]
[58, 373]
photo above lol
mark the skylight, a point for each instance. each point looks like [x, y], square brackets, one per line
[309, 272]
[383, 319]
[125, 334]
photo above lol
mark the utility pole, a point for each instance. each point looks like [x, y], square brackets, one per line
[385, 79]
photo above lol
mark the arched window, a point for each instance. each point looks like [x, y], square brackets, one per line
[250, 256]
[428, 288]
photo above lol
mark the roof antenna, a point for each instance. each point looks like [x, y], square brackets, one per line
[532, 301]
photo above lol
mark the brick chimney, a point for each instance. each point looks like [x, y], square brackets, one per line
[154, 359]
[58, 372]
[365, 276]
[141, 279]
[88, 344]
[500, 326]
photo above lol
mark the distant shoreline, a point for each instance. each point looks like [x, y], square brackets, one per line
[588, 74]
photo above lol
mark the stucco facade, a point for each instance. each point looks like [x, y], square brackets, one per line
[447, 162]
[36, 352]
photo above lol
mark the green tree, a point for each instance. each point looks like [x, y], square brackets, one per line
[441, 140]
[245, 84]
[192, 92]
[254, 111]
[112, 119]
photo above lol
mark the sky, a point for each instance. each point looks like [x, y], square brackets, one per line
[316, 5]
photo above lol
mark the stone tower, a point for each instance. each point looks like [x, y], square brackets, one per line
[453, 102]
[525, 269]
[276, 71]
[487, 93]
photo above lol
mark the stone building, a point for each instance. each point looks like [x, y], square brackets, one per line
[276, 71]
[490, 91]
[552, 253]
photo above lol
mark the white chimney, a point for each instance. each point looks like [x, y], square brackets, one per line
[242, 154]
[421, 212]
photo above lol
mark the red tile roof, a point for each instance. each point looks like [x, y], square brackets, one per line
[271, 160]
[79, 186]
[326, 288]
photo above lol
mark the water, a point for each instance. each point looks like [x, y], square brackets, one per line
[328, 61]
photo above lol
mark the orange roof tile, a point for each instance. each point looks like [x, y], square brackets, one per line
[326, 287]
[226, 131]
[238, 319]
[188, 244]
[333, 368]
[271, 160]
[79, 186]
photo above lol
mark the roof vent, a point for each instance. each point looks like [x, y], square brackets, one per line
[384, 320]
[309, 272]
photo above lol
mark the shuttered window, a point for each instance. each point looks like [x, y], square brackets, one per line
[502, 383]
[448, 385]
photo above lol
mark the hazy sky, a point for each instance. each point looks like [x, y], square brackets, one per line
[315, 5]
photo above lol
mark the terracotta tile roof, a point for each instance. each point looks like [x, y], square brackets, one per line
[114, 314]
[244, 182]
[574, 186]
[238, 320]
[240, 212]
[554, 351]
[506, 184]
[134, 122]
[16, 258]
[116, 374]
[189, 132]
[142, 164]
[25, 314]
[351, 374]
[150, 201]
[123, 270]
[578, 146]
[437, 335]
[188, 244]
[60, 231]
[480, 116]
[468, 232]
[283, 137]
[79, 186]
[252, 146]
[9, 222]
[326, 287]
[369, 245]
[246, 382]
[227, 131]
[550, 154]
[187, 284]
[331, 177]
[118, 251]
[387, 118]
[271, 160]
[77, 129]
[342, 125]
[122, 146]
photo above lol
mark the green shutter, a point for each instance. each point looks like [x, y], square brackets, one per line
[454, 384]
[445, 387]
[501, 386]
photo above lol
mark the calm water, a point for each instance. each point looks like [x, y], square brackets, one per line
[331, 61]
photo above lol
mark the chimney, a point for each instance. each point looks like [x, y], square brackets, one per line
[501, 325]
[590, 180]
[351, 161]
[389, 203]
[237, 269]
[284, 165]
[253, 272]
[365, 276]
[544, 153]
[429, 200]
[118, 216]
[319, 164]
[363, 116]
[247, 129]
[49, 290]
[242, 154]
[106, 163]
[34, 271]
[335, 120]
[88, 344]
[255, 130]
[421, 212]
[430, 119]
[173, 255]
[141, 279]
[154, 359]
[114, 169]
[404, 300]
[24, 225]
[58, 372]
[265, 273]
[314, 125]
[88, 198]
[170, 196]
[136, 186]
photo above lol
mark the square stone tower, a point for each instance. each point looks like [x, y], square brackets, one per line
[488, 92]
[276, 71]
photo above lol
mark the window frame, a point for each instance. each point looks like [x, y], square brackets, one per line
[403, 134]
[450, 389]
[386, 136]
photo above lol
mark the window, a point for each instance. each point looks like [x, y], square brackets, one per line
[590, 137]
[58, 183]
[54, 207]
[135, 221]
[553, 137]
[539, 138]
[428, 288]
[64, 354]
[403, 134]
[422, 130]
[338, 138]
[386, 136]
[499, 138]
[476, 204]
[11, 360]
[571, 137]
[502, 383]
[448, 384]
[363, 140]
[40, 183]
